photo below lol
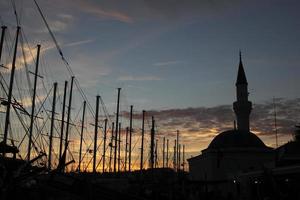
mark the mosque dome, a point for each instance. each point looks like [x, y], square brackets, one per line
[236, 139]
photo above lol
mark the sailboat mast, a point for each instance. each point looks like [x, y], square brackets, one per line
[111, 145]
[52, 125]
[130, 136]
[69, 116]
[177, 151]
[119, 148]
[142, 143]
[2, 39]
[163, 156]
[96, 134]
[116, 131]
[104, 145]
[33, 102]
[126, 148]
[63, 119]
[183, 157]
[13, 68]
[81, 135]
[152, 145]
[167, 156]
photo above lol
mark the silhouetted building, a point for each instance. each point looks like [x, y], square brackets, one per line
[234, 151]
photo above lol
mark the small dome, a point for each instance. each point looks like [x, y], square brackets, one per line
[236, 138]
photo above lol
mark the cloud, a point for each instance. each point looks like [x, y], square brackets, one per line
[198, 126]
[139, 78]
[29, 51]
[97, 10]
[78, 43]
[167, 63]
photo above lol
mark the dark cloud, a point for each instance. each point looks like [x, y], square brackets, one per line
[202, 124]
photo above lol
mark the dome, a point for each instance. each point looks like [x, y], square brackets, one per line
[236, 138]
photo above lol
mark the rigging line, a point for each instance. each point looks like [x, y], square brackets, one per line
[87, 151]
[25, 62]
[17, 113]
[15, 11]
[64, 60]
[42, 105]
[97, 152]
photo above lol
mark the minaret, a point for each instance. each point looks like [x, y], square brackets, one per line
[242, 107]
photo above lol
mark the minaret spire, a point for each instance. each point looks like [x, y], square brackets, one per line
[241, 77]
[242, 107]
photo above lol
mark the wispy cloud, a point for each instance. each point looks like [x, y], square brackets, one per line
[167, 63]
[28, 55]
[101, 12]
[78, 43]
[139, 78]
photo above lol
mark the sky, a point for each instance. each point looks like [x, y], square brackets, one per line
[177, 59]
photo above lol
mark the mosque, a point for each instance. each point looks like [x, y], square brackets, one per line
[232, 152]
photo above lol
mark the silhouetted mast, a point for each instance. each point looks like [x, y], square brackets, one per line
[104, 145]
[167, 156]
[130, 136]
[111, 145]
[126, 148]
[52, 125]
[63, 120]
[2, 40]
[116, 131]
[13, 68]
[164, 145]
[179, 157]
[177, 150]
[152, 145]
[155, 154]
[142, 143]
[33, 102]
[183, 157]
[96, 134]
[81, 135]
[119, 148]
[174, 156]
[68, 118]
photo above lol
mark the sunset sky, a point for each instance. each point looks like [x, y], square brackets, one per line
[175, 58]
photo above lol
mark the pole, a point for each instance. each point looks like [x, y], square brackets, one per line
[177, 151]
[164, 141]
[119, 148]
[174, 156]
[104, 145]
[81, 135]
[126, 147]
[183, 158]
[179, 157]
[142, 143]
[116, 131]
[13, 68]
[167, 156]
[52, 125]
[69, 116]
[130, 136]
[156, 144]
[111, 146]
[63, 119]
[96, 134]
[2, 39]
[33, 102]
[152, 145]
